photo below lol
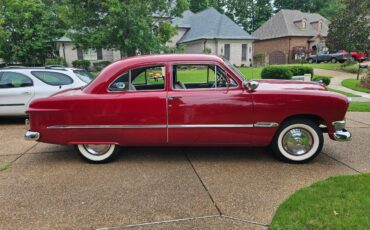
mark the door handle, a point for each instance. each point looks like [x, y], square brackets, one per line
[27, 93]
[171, 98]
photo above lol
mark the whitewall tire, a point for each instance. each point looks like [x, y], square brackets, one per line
[298, 140]
[97, 153]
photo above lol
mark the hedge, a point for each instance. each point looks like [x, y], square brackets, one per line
[275, 72]
[324, 79]
[101, 65]
[85, 64]
[285, 72]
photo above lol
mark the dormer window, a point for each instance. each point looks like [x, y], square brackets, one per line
[304, 24]
[301, 24]
[317, 25]
[320, 25]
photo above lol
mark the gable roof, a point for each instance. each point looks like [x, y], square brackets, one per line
[209, 24]
[282, 25]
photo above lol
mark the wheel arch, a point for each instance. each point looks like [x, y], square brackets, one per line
[313, 117]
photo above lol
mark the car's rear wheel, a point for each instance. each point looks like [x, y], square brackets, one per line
[101, 153]
[298, 140]
[333, 60]
[310, 60]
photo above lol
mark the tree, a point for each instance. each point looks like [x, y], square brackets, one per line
[28, 29]
[350, 29]
[128, 26]
[326, 8]
[250, 14]
[199, 5]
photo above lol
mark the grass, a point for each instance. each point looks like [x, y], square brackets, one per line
[5, 166]
[354, 85]
[356, 106]
[344, 93]
[341, 202]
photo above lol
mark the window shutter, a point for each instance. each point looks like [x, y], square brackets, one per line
[99, 53]
[80, 54]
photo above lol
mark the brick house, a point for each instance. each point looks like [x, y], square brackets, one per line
[290, 35]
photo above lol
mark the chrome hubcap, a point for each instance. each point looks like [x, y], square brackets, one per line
[97, 150]
[297, 141]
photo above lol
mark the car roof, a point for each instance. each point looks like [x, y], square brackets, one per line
[172, 57]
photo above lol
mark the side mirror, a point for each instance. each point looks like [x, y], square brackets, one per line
[250, 85]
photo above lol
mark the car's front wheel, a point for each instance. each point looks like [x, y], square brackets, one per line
[333, 60]
[101, 153]
[298, 140]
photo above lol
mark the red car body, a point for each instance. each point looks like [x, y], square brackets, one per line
[236, 116]
[360, 57]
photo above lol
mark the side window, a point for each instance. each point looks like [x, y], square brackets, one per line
[52, 78]
[201, 76]
[140, 79]
[14, 80]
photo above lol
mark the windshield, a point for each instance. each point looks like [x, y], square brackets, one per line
[84, 75]
[234, 69]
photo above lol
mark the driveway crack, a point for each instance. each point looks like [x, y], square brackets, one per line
[341, 162]
[203, 184]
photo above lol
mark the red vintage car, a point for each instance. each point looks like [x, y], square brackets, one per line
[188, 100]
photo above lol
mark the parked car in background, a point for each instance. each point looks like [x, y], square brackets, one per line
[20, 85]
[360, 57]
[188, 100]
[329, 56]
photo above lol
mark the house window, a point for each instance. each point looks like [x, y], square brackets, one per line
[244, 52]
[90, 54]
[99, 53]
[80, 54]
[320, 26]
[304, 24]
[227, 51]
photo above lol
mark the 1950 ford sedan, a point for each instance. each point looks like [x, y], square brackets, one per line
[188, 100]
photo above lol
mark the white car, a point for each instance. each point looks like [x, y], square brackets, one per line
[20, 85]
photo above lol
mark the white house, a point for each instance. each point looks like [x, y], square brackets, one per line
[205, 32]
[212, 32]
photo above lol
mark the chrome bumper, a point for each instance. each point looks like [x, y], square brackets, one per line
[31, 136]
[342, 135]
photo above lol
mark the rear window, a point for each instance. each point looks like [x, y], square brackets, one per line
[53, 78]
[84, 75]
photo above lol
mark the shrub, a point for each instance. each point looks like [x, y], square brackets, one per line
[101, 65]
[56, 61]
[324, 79]
[365, 81]
[300, 70]
[207, 50]
[276, 72]
[84, 64]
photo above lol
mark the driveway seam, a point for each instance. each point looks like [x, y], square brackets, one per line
[161, 222]
[22, 154]
[244, 221]
[359, 122]
[341, 162]
[201, 181]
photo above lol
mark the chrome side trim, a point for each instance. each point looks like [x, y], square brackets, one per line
[148, 126]
[339, 125]
[212, 126]
[266, 124]
[106, 127]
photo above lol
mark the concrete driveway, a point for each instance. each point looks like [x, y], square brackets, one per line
[50, 187]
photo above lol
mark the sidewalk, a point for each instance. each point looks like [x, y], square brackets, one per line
[338, 77]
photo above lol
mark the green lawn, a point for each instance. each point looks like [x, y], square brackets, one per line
[4, 166]
[344, 93]
[356, 106]
[354, 84]
[341, 202]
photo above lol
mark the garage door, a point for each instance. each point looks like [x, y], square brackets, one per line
[276, 58]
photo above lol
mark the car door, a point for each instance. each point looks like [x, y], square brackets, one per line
[136, 104]
[207, 106]
[16, 91]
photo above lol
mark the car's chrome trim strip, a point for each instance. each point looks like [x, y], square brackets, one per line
[266, 124]
[258, 125]
[212, 126]
[107, 127]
